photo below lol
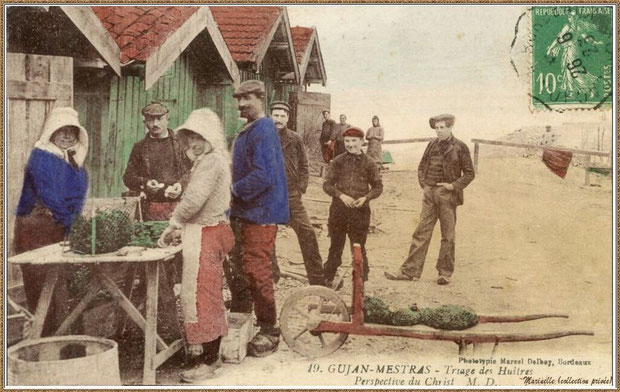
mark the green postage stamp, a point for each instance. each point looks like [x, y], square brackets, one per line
[572, 57]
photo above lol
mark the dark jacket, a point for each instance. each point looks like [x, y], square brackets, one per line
[141, 168]
[328, 129]
[354, 175]
[295, 161]
[259, 191]
[457, 165]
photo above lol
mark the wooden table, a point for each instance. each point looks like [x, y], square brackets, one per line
[58, 258]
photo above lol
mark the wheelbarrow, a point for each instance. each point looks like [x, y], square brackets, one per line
[315, 322]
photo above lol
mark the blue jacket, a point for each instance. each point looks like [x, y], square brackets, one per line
[53, 183]
[259, 178]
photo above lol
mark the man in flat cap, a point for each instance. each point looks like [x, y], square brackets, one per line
[444, 171]
[296, 163]
[158, 169]
[259, 204]
[329, 130]
[157, 165]
[352, 181]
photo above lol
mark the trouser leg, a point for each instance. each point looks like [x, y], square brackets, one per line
[421, 238]
[358, 232]
[238, 285]
[447, 222]
[275, 267]
[257, 249]
[300, 222]
[338, 224]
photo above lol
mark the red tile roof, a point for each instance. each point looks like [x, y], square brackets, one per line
[301, 39]
[140, 30]
[245, 29]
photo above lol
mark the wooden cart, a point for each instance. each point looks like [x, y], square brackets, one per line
[58, 259]
[315, 322]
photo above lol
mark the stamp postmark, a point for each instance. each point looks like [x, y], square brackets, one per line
[572, 57]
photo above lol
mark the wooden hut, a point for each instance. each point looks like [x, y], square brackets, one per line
[45, 47]
[260, 41]
[172, 54]
[306, 117]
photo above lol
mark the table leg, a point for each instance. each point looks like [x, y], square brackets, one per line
[93, 289]
[150, 331]
[51, 277]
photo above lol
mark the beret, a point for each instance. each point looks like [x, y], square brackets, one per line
[250, 87]
[448, 118]
[280, 105]
[353, 132]
[154, 109]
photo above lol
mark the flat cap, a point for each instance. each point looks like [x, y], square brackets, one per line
[154, 109]
[325, 110]
[353, 132]
[448, 118]
[250, 87]
[280, 105]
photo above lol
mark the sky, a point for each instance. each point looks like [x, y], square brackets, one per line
[407, 63]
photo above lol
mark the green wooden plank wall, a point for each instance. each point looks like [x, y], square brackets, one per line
[123, 126]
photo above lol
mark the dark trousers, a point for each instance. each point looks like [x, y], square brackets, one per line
[439, 203]
[33, 231]
[249, 272]
[342, 221]
[300, 223]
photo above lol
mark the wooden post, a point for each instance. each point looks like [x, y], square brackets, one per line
[45, 298]
[587, 181]
[150, 330]
[476, 152]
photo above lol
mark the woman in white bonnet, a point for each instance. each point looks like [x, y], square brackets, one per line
[53, 193]
[202, 214]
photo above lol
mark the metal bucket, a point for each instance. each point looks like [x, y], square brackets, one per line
[64, 360]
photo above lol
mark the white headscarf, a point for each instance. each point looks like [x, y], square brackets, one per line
[56, 119]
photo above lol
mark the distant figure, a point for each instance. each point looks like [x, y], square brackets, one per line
[444, 171]
[328, 129]
[352, 181]
[374, 135]
[339, 145]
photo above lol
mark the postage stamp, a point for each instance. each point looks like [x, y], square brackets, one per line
[572, 54]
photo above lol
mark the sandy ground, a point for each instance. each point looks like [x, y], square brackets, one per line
[527, 242]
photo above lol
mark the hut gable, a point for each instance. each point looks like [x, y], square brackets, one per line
[254, 33]
[157, 35]
[140, 30]
[308, 55]
[246, 30]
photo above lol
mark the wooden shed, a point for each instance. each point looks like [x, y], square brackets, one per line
[45, 45]
[306, 117]
[260, 41]
[172, 54]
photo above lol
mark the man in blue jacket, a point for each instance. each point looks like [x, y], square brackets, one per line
[259, 204]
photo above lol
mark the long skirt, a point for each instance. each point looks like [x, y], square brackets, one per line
[374, 150]
[202, 301]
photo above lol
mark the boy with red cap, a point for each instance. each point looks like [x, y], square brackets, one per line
[352, 180]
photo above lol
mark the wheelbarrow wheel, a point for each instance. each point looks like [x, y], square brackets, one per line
[303, 311]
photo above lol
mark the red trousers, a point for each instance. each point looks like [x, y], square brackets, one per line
[251, 257]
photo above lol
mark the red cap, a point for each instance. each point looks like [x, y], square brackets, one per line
[354, 132]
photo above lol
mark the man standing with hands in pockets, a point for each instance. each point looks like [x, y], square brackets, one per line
[444, 171]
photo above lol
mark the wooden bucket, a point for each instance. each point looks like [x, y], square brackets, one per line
[64, 360]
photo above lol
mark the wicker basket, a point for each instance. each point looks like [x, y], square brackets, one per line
[105, 225]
